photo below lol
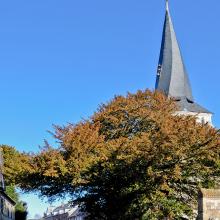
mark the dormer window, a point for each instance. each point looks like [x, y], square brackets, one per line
[189, 100]
[159, 69]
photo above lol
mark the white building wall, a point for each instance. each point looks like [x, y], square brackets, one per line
[200, 117]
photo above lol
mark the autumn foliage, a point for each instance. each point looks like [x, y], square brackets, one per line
[133, 159]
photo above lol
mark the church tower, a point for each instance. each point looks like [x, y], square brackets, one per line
[172, 78]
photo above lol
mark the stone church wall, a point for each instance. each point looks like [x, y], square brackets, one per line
[209, 204]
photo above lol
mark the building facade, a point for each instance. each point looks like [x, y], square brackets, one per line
[209, 204]
[64, 212]
[7, 205]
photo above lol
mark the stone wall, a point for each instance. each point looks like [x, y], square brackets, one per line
[209, 204]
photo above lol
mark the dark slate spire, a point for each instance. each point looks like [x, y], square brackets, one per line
[172, 77]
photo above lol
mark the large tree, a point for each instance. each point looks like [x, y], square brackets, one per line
[133, 159]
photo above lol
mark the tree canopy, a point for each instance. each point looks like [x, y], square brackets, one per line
[132, 159]
[14, 163]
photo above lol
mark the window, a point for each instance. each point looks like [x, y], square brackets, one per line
[2, 205]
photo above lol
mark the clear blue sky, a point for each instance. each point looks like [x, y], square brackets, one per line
[60, 59]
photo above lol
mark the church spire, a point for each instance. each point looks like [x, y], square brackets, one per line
[172, 77]
[167, 5]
